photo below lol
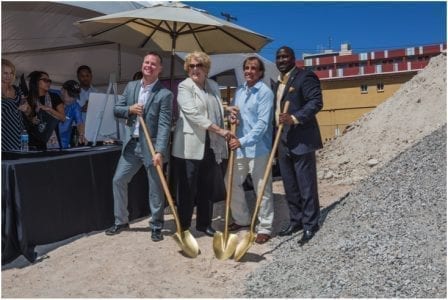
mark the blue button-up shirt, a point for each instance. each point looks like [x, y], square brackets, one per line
[254, 131]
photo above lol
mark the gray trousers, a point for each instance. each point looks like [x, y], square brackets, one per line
[130, 162]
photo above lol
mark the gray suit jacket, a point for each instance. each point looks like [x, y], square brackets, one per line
[157, 115]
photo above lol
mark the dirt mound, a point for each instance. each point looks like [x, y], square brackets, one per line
[414, 111]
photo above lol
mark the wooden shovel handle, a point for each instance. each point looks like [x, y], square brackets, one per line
[229, 185]
[268, 170]
[161, 175]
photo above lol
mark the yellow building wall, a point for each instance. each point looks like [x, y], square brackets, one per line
[344, 102]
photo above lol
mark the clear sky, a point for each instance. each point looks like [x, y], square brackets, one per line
[308, 27]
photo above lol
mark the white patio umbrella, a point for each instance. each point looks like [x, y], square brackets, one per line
[173, 27]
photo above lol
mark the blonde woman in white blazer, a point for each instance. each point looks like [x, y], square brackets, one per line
[199, 143]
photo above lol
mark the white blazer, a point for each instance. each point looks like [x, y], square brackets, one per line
[191, 127]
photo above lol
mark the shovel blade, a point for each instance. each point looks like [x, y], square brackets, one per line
[224, 249]
[187, 243]
[244, 245]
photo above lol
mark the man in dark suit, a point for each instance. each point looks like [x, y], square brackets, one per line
[299, 141]
[149, 99]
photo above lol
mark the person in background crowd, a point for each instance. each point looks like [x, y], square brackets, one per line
[149, 99]
[13, 103]
[199, 143]
[46, 111]
[299, 141]
[254, 101]
[69, 92]
[84, 74]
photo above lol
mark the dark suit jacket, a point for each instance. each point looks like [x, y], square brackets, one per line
[304, 93]
[157, 115]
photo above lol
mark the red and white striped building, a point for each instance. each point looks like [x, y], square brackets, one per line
[354, 84]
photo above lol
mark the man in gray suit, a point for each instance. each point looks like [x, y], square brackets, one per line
[149, 99]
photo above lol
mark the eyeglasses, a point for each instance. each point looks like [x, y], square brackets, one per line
[46, 80]
[192, 66]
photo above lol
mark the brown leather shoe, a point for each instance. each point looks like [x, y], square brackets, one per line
[262, 238]
[235, 227]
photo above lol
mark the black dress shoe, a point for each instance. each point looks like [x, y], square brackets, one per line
[116, 229]
[290, 230]
[156, 235]
[308, 235]
[208, 230]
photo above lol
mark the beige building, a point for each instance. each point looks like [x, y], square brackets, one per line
[345, 101]
[354, 84]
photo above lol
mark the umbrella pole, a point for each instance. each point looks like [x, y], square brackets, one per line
[173, 45]
[172, 70]
[173, 53]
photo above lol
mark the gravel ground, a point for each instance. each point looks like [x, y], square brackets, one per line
[387, 238]
[411, 113]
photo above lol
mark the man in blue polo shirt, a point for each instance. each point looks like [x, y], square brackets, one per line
[254, 101]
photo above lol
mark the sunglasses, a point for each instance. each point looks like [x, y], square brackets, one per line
[192, 66]
[46, 80]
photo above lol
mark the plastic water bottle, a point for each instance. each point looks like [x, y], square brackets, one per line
[24, 141]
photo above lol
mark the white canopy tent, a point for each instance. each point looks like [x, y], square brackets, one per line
[49, 41]
[41, 36]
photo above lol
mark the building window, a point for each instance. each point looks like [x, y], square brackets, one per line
[340, 72]
[410, 51]
[337, 132]
[380, 87]
[378, 68]
[395, 67]
[363, 88]
[363, 56]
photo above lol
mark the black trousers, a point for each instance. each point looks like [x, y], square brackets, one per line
[196, 186]
[300, 182]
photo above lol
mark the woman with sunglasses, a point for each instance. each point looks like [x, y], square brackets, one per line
[47, 110]
[199, 143]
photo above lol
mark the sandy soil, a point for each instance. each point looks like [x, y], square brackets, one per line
[131, 265]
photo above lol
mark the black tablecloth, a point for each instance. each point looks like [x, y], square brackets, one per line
[48, 197]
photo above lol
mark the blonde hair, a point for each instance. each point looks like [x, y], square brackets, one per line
[201, 57]
[7, 63]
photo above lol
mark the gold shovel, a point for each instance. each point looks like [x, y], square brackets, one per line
[184, 239]
[224, 245]
[249, 238]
